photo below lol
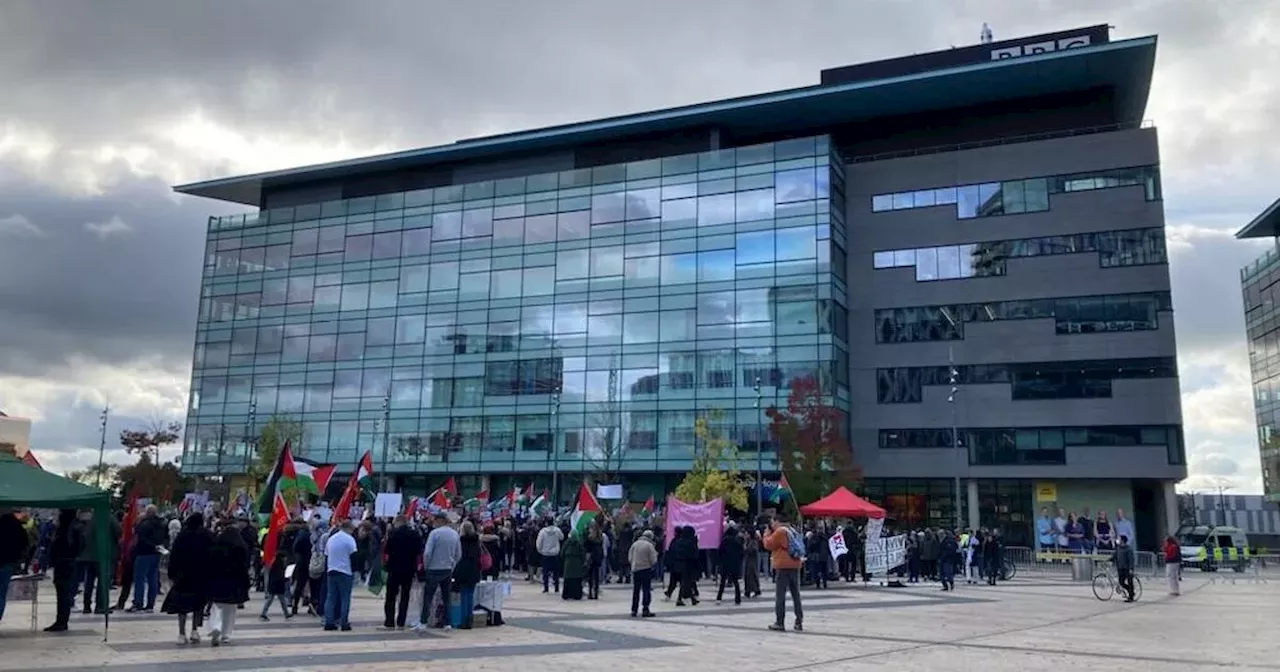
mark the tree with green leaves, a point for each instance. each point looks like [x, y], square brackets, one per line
[152, 480]
[715, 470]
[812, 449]
[95, 474]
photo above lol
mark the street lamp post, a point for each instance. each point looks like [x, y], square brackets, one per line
[759, 451]
[555, 456]
[102, 446]
[953, 379]
[250, 441]
[386, 440]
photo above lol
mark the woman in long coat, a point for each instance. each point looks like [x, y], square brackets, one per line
[467, 573]
[574, 555]
[228, 582]
[189, 570]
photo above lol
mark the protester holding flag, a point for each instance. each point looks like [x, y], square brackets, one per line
[574, 556]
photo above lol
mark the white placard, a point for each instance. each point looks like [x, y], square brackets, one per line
[387, 504]
[837, 545]
[609, 491]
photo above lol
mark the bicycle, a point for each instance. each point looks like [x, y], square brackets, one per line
[1008, 570]
[1106, 585]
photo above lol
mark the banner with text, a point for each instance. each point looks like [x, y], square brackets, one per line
[706, 518]
[886, 553]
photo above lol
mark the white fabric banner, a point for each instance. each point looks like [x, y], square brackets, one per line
[886, 553]
[837, 545]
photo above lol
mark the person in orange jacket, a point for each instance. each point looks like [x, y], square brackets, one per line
[786, 555]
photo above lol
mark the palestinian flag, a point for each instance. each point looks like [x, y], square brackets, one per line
[279, 517]
[526, 496]
[584, 511]
[541, 505]
[782, 491]
[512, 497]
[361, 483]
[304, 475]
[311, 478]
[647, 509]
[481, 500]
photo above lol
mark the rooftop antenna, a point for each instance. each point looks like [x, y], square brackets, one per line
[986, 36]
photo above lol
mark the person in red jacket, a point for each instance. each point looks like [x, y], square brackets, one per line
[787, 573]
[1173, 565]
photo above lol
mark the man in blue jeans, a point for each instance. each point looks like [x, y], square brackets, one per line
[337, 602]
[439, 557]
[150, 534]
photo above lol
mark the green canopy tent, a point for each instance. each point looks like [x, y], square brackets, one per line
[26, 486]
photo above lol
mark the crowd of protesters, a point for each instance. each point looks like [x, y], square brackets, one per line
[213, 563]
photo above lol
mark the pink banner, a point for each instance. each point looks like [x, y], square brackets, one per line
[707, 520]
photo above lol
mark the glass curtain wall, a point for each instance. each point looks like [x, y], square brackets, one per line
[573, 322]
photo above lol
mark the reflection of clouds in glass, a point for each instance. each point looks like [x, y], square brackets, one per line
[795, 185]
[755, 247]
[642, 204]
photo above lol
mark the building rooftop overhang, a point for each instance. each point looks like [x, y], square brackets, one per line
[1265, 225]
[1123, 66]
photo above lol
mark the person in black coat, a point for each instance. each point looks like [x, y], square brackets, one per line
[302, 564]
[730, 559]
[189, 570]
[466, 574]
[64, 550]
[228, 582]
[684, 559]
[404, 545]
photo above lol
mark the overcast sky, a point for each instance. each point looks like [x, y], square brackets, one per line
[103, 105]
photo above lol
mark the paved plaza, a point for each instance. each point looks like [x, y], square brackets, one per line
[1036, 623]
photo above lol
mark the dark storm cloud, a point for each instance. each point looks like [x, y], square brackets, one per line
[114, 276]
[127, 291]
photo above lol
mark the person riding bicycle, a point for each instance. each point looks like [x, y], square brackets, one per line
[1124, 560]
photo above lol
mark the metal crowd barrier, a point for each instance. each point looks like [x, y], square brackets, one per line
[1029, 561]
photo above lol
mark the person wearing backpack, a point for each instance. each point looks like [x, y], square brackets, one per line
[786, 553]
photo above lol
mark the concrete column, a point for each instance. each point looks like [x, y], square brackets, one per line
[974, 515]
[1170, 510]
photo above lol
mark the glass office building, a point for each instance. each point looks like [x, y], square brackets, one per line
[561, 303]
[1260, 285]
[571, 322]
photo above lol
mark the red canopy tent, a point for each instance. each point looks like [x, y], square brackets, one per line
[843, 503]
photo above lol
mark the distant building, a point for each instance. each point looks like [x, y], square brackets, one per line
[1258, 282]
[15, 435]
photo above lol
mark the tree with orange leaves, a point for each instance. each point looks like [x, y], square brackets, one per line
[812, 448]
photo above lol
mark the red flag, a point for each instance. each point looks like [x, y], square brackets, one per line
[126, 532]
[364, 469]
[648, 505]
[412, 511]
[279, 516]
[29, 459]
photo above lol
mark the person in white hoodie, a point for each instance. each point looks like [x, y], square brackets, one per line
[548, 545]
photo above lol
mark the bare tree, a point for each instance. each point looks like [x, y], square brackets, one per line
[603, 444]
